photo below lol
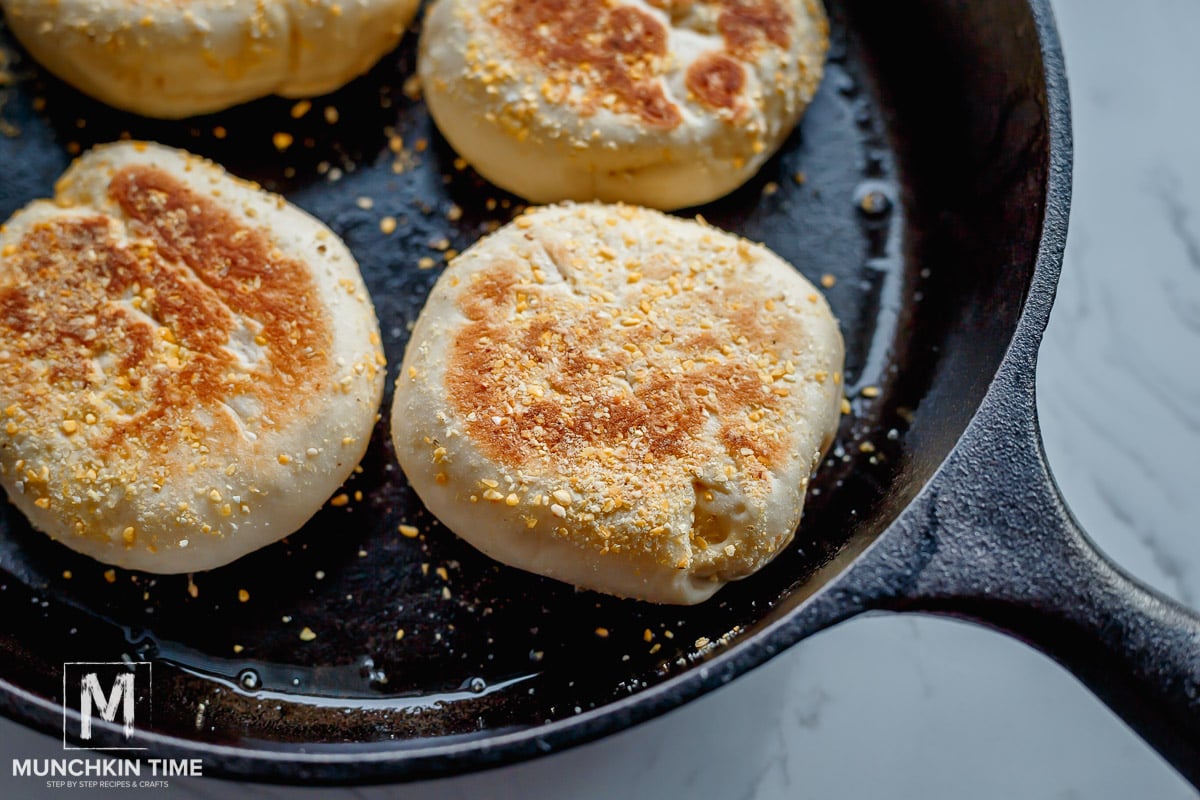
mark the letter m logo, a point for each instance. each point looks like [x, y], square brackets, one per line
[104, 702]
[122, 695]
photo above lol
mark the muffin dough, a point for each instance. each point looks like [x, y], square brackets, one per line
[619, 399]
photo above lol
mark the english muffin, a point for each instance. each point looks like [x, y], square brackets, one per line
[619, 399]
[189, 366]
[176, 58]
[663, 103]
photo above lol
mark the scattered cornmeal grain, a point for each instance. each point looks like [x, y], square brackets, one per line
[282, 140]
[770, 188]
[110, 575]
[870, 391]
[365, 203]
[399, 634]
[647, 635]
[800, 178]
[387, 226]
[425, 262]
[412, 87]
[828, 280]
[306, 634]
[237, 648]
[67, 574]
[243, 596]
[339, 500]
[846, 406]
[873, 202]
[866, 447]
[702, 642]
[301, 108]
[454, 213]
[409, 532]
[331, 115]
[602, 633]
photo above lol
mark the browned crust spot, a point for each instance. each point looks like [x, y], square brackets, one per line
[573, 355]
[615, 53]
[716, 80]
[133, 337]
[746, 24]
[743, 24]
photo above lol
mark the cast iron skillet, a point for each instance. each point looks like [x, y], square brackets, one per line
[928, 184]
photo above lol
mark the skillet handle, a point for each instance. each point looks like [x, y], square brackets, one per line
[997, 545]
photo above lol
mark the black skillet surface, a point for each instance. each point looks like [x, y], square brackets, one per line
[916, 189]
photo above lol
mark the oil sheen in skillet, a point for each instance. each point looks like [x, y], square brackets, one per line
[373, 623]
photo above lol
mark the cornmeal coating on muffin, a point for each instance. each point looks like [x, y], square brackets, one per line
[619, 399]
[189, 366]
[662, 103]
[178, 58]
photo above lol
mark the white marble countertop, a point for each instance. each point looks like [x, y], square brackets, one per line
[916, 707]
